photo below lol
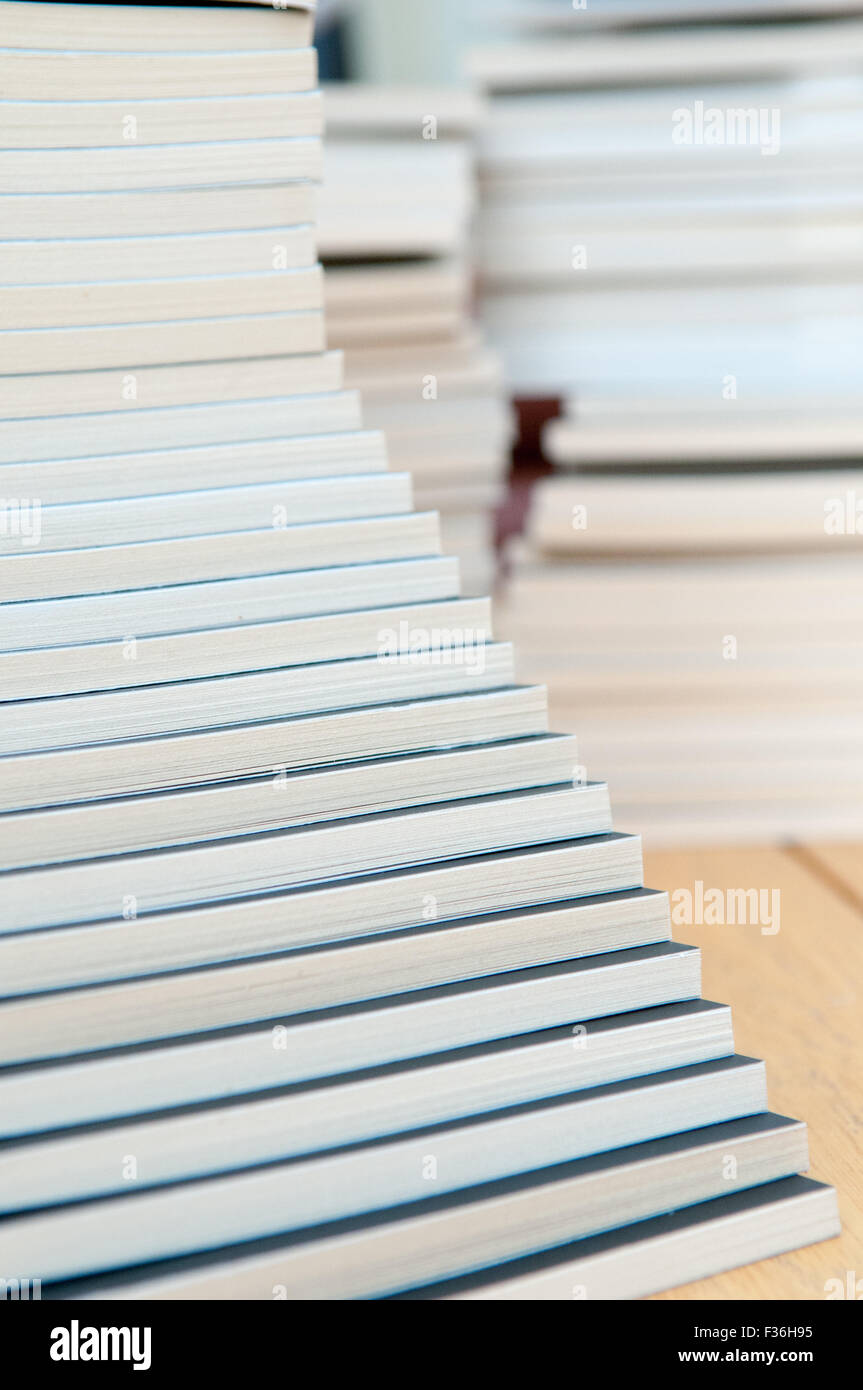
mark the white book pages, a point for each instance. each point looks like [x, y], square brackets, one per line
[93, 125]
[104, 569]
[125, 1230]
[225, 603]
[195, 383]
[485, 1224]
[711, 1237]
[276, 802]
[171, 27]
[483, 1080]
[270, 746]
[63, 75]
[97, 890]
[362, 907]
[156, 212]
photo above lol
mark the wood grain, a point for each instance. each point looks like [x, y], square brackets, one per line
[839, 865]
[796, 1003]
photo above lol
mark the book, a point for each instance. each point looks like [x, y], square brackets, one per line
[552, 15]
[658, 56]
[145, 344]
[761, 437]
[207, 162]
[96, 125]
[722, 512]
[723, 1232]
[207, 383]
[431, 222]
[68, 573]
[59, 74]
[154, 212]
[94, 27]
[92, 260]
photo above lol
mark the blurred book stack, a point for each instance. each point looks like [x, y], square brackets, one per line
[702, 635]
[671, 245]
[395, 216]
[324, 973]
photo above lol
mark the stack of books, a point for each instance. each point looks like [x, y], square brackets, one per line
[669, 212]
[324, 972]
[702, 635]
[399, 300]
[672, 243]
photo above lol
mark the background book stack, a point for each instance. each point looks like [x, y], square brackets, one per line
[703, 636]
[671, 240]
[676, 180]
[324, 971]
[395, 216]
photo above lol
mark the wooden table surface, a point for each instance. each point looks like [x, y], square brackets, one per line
[796, 1001]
